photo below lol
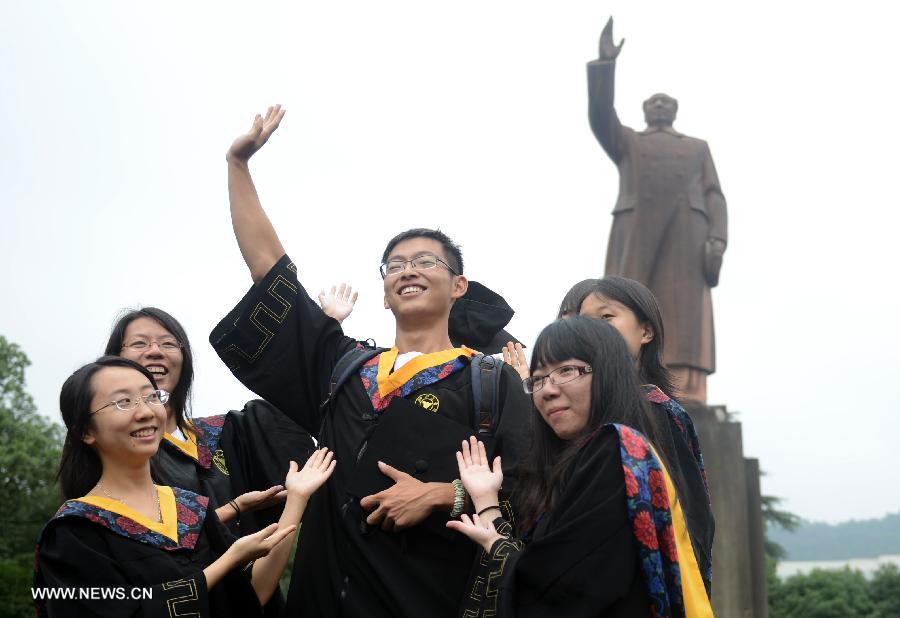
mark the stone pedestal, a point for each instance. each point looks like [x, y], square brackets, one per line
[739, 574]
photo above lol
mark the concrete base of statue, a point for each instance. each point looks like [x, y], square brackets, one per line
[739, 567]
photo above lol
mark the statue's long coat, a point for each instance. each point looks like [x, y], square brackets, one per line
[669, 204]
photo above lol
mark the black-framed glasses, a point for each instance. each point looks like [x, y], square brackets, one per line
[142, 345]
[422, 262]
[155, 398]
[560, 375]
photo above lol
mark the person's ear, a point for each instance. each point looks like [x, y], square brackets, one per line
[460, 287]
[647, 334]
[386, 305]
[88, 437]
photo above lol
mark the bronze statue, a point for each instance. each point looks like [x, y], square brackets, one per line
[669, 222]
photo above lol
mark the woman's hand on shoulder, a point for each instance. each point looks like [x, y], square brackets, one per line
[481, 482]
[306, 480]
[481, 532]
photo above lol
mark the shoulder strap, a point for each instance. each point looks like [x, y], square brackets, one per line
[347, 366]
[486, 374]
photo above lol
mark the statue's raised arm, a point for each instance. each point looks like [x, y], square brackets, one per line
[601, 94]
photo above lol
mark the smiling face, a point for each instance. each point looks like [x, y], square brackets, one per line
[165, 365]
[622, 319]
[566, 408]
[119, 436]
[421, 294]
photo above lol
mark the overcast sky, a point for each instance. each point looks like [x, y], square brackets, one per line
[470, 116]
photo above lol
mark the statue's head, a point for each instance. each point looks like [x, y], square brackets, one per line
[660, 110]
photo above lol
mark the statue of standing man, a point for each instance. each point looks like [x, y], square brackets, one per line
[669, 222]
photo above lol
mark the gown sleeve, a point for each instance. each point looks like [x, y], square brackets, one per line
[581, 560]
[71, 559]
[279, 344]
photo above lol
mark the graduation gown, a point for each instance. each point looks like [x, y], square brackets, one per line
[685, 444]
[230, 454]
[614, 545]
[99, 543]
[281, 345]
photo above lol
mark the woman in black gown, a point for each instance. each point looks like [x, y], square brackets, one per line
[237, 459]
[121, 545]
[600, 528]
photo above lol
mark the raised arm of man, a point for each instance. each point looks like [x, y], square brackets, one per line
[255, 234]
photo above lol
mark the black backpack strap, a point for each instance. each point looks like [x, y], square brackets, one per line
[347, 366]
[486, 374]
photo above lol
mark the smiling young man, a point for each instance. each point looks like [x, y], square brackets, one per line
[374, 541]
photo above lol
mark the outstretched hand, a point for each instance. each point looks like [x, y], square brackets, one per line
[480, 531]
[481, 482]
[247, 144]
[608, 49]
[260, 499]
[514, 355]
[259, 544]
[305, 481]
[339, 302]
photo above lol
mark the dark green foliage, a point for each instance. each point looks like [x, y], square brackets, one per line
[885, 591]
[822, 594]
[29, 454]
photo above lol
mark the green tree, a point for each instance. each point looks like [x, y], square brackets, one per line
[774, 516]
[885, 591]
[30, 446]
[822, 594]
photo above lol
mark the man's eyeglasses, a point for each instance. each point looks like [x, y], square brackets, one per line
[560, 375]
[422, 262]
[142, 345]
[155, 398]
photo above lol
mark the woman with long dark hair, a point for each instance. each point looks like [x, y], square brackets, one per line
[631, 308]
[237, 459]
[600, 529]
[141, 549]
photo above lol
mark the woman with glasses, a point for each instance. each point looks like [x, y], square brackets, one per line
[123, 546]
[600, 528]
[631, 308]
[237, 459]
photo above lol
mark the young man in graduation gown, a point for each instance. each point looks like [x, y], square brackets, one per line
[374, 541]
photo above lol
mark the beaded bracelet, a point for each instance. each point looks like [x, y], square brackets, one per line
[459, 498]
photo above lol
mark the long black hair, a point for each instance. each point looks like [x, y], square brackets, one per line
[616, 397]
[640, 300]
[180, 397]
[79, 465]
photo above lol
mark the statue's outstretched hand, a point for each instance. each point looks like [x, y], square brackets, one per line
[712, 262]
[608, 49]
[247, 144]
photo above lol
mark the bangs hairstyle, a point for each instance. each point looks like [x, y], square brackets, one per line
[643, 304]
[79, 465]
[180, 398]
[571, 302]
[616, 397]
[452, 251]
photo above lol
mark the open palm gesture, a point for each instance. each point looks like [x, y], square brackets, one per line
[312, 475]
[338, 303]
[481, 482]
[247, 144]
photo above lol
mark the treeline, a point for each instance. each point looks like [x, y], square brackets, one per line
[835, 594]
[867, 538]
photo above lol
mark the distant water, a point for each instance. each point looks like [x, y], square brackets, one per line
[866, 565]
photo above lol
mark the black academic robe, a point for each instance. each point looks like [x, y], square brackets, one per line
[280, 344]
[580, 560]
[87, 548]
[244, 450]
